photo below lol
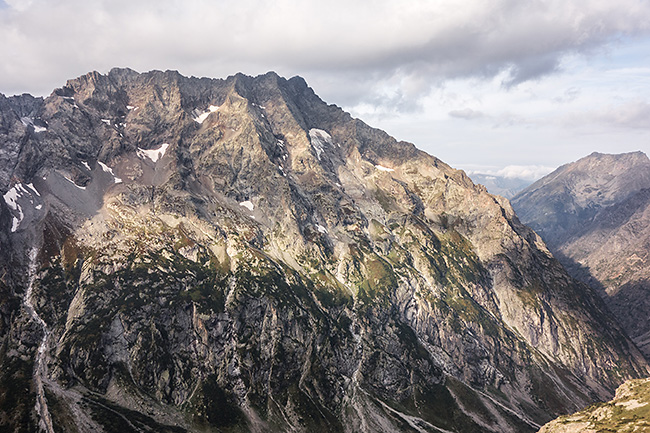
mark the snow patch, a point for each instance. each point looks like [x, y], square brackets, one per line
[248, 205]
[314, 132]
[109, 170]
[201, 117]
[28, 121]
[106, 168]
[319, 139]
[85, 164]
[15, 221]
[70, 98]
[72, 182]
[382, 168]
[131, 107]
[107, 121]
[31, 186]
[321, 228]
[11, 199]
[153, 154]
[39, 207]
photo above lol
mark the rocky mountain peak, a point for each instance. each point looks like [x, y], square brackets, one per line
[594, 214]
[575, 192]
[237, 254]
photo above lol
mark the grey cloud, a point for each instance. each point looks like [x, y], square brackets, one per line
[379, 52]
[634, 114]
[531, 68]
[570, 94]
[508, 120]
[467, 114]
[631, 114]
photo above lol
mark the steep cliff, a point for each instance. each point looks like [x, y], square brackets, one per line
[184, 254]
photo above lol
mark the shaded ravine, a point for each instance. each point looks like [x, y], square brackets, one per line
[40, 368]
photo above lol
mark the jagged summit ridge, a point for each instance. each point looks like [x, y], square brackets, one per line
[268, 263]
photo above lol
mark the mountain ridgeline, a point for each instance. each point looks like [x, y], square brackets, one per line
[183, 254]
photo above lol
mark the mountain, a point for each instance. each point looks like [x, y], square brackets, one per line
[506, 187]
[561, 202]
[629, 411]
[183, 254]
[594, 214]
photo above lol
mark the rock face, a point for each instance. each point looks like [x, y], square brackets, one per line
[595, 216]
[183, 254]
[629, 411]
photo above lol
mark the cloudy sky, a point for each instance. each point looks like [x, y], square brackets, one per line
[500, 86]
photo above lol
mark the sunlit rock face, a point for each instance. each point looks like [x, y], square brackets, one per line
[237, 255]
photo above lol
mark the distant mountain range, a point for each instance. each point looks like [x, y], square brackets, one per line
[506, 187]
[594, 214]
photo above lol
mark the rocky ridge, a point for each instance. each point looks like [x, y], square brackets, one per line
[237, 255]
[629, 411]
[594, 214]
